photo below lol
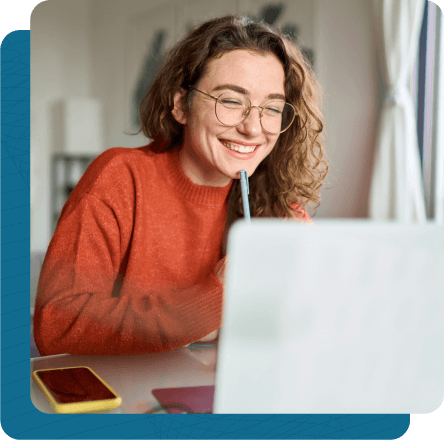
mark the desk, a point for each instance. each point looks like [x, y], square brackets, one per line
[134, 377]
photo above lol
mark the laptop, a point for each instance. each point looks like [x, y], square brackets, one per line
[340, 317]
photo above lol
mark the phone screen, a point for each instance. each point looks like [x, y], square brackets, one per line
[72, 385]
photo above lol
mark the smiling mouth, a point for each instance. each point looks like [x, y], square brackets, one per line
[239, 148]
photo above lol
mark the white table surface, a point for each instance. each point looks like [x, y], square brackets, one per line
[134, 377]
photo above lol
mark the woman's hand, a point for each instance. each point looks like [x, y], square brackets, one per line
[209, 338]
[220, 270]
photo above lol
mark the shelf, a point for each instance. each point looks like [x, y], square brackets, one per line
[66, 171]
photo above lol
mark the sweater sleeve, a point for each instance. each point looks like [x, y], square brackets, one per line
[85, 306]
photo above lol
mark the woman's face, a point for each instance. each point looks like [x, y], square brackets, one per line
[207, 156]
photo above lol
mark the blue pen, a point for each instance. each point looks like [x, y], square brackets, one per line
[245, 193]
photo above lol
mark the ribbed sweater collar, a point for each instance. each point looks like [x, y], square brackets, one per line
[185, 188]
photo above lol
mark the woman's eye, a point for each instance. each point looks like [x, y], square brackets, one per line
[273, 111]
[231, 102]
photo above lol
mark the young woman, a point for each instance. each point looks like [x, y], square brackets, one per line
[137, 261]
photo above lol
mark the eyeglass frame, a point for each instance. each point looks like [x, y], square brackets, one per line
[259, 107]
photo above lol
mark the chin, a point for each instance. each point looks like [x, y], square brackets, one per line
[236, 175]
[232, 170]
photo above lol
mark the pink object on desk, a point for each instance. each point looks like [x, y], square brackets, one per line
[186, 400]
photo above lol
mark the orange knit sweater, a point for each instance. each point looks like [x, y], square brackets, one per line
[130, 266]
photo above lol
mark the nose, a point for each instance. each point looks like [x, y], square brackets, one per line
[251, 126]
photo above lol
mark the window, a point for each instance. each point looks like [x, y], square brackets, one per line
[427, 88]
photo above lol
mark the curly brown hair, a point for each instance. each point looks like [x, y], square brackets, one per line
[291, 176]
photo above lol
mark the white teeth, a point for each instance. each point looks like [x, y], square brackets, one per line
[240, 148]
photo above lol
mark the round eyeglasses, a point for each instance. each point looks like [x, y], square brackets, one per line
[232, 109]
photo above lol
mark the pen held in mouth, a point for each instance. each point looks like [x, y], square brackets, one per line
[245, 193]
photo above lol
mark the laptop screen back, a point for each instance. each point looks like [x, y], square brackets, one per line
[340, 317]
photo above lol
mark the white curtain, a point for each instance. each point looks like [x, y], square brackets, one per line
[396, 187]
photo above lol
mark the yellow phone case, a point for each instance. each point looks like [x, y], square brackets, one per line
[78, 407]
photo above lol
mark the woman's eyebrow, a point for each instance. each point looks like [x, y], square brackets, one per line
[245, 92]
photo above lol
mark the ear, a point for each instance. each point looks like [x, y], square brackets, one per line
[178, 111]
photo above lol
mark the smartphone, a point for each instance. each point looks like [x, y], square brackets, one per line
[74, 390]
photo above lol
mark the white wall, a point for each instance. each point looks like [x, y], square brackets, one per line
[84, 49]
[348, 72]
[61, 68]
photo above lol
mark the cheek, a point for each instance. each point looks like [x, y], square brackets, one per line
[271, 144]
[272, 141]
[202, 127]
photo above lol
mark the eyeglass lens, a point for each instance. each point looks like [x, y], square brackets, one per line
[275, 116]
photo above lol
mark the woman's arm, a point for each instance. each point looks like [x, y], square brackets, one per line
[84, 305]
[220, 274]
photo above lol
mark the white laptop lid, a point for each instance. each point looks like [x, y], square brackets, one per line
[340, 317]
